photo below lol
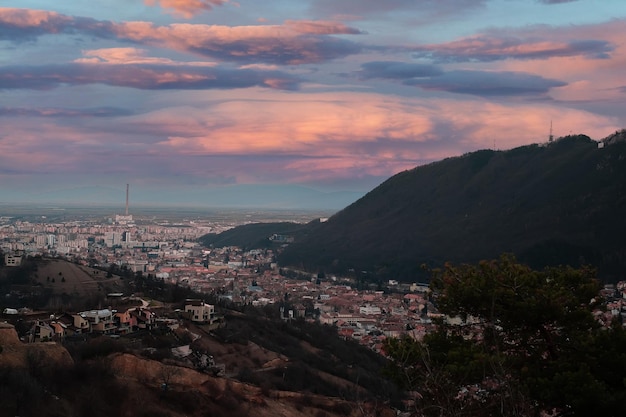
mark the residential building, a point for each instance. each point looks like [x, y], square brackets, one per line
[81, 324]
[40, 332]
[145, 318]
[200, 312]
[12, 260]
[369, 310]
[125, 322]
[101, 321]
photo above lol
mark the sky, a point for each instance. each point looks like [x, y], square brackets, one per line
[180, 98]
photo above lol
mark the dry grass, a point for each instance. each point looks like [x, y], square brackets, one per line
[17, 354]
[65, 277]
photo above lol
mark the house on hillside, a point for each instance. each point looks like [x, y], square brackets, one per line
[145, 318]
[80, 324]
[46, 331]
[300, 310]
[419, 288]
[67, 322]
[12, 259]
[59, 330]
[125, 322]
[199, 312]
[101, 321]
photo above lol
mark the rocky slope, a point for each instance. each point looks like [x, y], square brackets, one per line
[16, 354]
[42, 379]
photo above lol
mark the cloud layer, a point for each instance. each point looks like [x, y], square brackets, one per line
[292, 43]
[141, 76]
[318, 92]
[187, 8]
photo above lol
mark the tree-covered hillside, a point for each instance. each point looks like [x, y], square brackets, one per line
[256, 235]
[562, 203]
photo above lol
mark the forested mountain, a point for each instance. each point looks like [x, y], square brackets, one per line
[255, 235]
[558, 203]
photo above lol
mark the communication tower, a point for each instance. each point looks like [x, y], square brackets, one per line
[551, 136]
[126, 218]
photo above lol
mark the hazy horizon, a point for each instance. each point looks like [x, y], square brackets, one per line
[267, 197]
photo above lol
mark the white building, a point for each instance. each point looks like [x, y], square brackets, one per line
[200, 312]
[369, 310]
[12, 260]
[100, 320]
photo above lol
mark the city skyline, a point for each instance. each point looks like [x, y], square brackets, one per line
[202, 100]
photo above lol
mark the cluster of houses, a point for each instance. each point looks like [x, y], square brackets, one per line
[105, 321]
[112, 322]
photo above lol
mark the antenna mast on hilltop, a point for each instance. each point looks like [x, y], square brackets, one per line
[126, 200]
[551, 137]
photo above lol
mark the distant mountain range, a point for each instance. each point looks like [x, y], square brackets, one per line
[563, 202]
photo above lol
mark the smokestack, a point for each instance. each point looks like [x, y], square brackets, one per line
[127, 199]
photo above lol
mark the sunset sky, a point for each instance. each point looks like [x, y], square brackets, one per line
[334, 95]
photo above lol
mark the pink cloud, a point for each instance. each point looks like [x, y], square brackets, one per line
[485, 48]
[328, 135]
[319, 27]
[537, 42]
[124, 68]
[292, 43]
[130, 56]
[424, 8]
[20, 24]
[25, 18]
[316, 124]
[252, 131]
[587, 79]
[295, 42]
[284, 136]
[187, 8]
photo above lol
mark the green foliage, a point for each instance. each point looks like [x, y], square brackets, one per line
[513, 296]
[529, 343]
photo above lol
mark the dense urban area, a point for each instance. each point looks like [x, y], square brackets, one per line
[148, 282]
[169, 252]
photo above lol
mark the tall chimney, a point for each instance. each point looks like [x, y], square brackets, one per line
[127, 199]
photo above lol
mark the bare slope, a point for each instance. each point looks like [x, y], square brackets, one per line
[107, 379]
[16, 354]
[65, 277]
